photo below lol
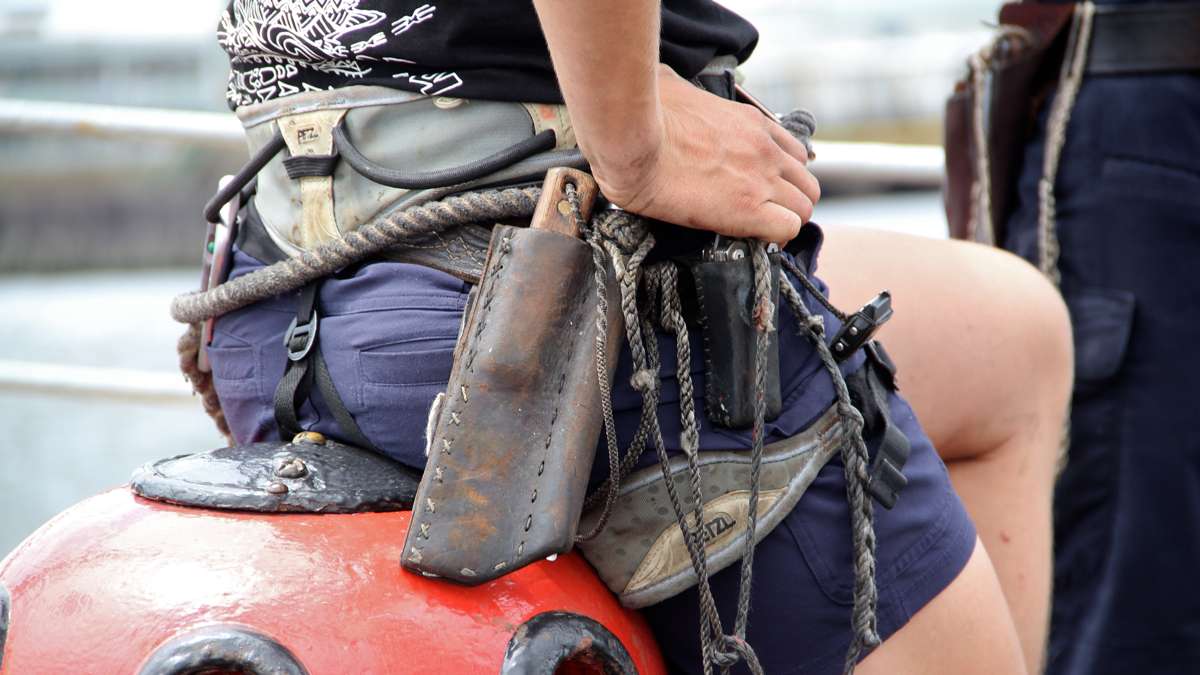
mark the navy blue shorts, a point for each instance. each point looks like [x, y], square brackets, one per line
[388, 332]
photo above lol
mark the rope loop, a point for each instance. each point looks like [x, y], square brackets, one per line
[645, 381]
[734, 649]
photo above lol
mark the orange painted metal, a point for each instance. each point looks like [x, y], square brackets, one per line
[103, 584]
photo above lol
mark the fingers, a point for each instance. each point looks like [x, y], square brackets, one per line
[792, 198]
[779, 225]
[799, 176]
[786, 141]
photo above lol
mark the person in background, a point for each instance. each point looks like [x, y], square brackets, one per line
[1119, 229]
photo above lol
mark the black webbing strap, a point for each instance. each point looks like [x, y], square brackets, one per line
[293, 389]
[305, 166]
[869, 389]
[305, 366]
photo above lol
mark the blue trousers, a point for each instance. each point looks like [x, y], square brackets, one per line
[1127, 506]
[388, 332]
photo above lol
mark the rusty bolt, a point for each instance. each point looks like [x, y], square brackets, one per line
[277, 488]
[314, 437]
[291, 467]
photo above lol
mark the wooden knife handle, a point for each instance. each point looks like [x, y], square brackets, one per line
[553, 211]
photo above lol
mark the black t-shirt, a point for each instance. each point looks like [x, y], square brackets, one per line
[487, 49]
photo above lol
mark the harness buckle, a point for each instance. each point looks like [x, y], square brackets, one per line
[301, 337]
[861, 326]
[887, 475]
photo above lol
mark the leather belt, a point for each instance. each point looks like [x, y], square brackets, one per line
[1150, 38]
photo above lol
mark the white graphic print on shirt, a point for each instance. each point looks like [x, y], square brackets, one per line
[271, 41]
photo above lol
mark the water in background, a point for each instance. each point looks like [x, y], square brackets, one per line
[58, 450]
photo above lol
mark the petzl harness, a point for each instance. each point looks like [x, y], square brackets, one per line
[712, 529]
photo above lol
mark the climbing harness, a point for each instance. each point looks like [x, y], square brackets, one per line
[714, 530]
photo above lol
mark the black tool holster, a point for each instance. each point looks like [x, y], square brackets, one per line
[724, 277]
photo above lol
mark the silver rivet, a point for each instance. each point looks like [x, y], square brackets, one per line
[291, 467]
[447, 102]
[276, 488]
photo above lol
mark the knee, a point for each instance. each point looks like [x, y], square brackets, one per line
[1035, 351]
[1042, 333]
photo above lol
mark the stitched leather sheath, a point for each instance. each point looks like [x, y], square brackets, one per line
[516, 432]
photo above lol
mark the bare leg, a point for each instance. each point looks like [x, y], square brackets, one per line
[965, 630]
[982, 345]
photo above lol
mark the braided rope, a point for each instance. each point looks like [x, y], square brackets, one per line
[370, 240]
[600, 267]
[855, 459]
[1071, 78]
[764, 319]
[981, 226]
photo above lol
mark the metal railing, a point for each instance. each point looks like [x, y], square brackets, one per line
[850, 164]
[90, 382]
[123, 123]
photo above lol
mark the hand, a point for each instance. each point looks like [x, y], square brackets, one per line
[712, 164]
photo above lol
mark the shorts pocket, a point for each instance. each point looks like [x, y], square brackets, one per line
[236, 379]
[407, 363]
[232, 363]
[1103, 322]
[397, 384]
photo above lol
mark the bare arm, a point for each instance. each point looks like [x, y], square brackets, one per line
[658, 145]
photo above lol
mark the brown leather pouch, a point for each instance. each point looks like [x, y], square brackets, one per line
[1014, 73]
[512, 445]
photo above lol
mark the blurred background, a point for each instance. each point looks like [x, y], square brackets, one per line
[97, 234]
